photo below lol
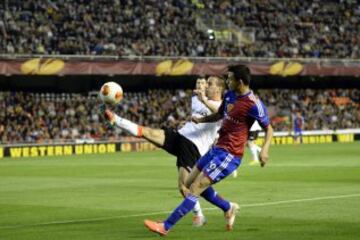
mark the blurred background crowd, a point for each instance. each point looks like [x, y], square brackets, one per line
[41, 117]
[298, 28]
[197, 28]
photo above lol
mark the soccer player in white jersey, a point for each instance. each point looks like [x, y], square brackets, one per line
[254, 149]
[191, 141]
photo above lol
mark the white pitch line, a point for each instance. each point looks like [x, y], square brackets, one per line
[167, 212]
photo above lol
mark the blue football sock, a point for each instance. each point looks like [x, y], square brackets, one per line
[186, 206]
[211, 196]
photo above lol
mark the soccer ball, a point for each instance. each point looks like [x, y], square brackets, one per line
[111, 93]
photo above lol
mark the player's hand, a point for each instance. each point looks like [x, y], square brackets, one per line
[201, 95]
[264, 157]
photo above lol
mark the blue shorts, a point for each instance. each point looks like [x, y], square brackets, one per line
[217, 164]
[297, 132]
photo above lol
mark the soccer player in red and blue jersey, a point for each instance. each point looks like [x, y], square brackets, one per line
[239, 109]
[298, 124]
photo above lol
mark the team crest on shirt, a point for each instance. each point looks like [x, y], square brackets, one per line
[229, 107]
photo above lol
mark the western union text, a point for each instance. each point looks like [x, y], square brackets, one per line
[62, 150]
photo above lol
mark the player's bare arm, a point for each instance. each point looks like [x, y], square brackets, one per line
[264, 154]
[211, 118]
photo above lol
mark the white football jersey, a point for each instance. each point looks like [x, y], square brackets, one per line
[203, 135]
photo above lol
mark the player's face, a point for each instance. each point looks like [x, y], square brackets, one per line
[213, 89]
[231, 81]
[201, 84]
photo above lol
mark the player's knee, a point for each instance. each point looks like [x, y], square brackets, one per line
[183, 190]
[181, 186]
[194, 192]
[198, 187]
[147, 132]
[187, 183]
[156, 136]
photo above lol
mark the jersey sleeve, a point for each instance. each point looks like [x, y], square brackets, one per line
[259, 113]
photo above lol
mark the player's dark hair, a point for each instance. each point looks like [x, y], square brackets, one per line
[241, 72]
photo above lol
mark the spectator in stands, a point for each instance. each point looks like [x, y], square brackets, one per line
[282, 29]
[34, 117]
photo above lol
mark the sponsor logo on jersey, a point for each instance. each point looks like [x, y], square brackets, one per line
[232, 119]
[229, 107]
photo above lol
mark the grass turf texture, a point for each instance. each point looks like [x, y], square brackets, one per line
[109, 196]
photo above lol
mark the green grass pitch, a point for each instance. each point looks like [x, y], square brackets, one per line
[306, 192]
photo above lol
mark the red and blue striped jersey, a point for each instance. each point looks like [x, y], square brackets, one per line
[239, 113]
[298, 123]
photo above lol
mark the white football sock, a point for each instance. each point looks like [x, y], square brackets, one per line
[254, 149]
[197, 209]
[129, 126]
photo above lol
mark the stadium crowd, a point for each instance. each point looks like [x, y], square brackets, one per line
[298, 28]
[34, 117]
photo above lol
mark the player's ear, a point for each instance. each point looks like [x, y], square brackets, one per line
[241, 83]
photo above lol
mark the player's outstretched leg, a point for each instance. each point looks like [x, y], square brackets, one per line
[212, 165]
[155, 136]
[184, 208]
[210, 195]
[113, 119]
[199, 185]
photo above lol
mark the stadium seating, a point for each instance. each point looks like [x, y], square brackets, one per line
[39, 117]
[281, 29]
